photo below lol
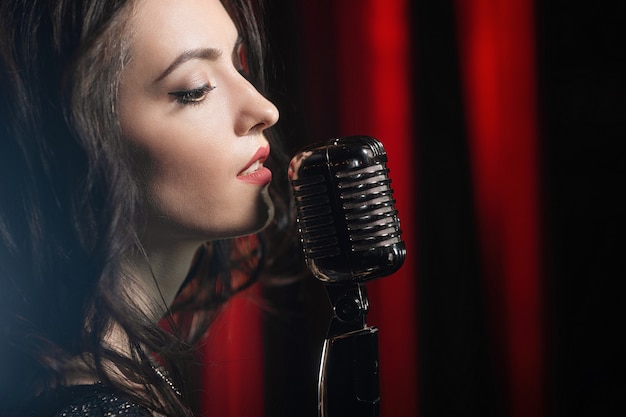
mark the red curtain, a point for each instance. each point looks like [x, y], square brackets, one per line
[357, 77]
[374, 95]
[232, 370]
[370, 64]
[496, 41]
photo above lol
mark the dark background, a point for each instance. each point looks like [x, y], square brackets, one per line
[582, 109]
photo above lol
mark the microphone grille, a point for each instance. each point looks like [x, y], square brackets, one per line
[315, 217]
[348, 223]
[369, 208]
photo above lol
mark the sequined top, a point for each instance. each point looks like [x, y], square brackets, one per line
[86, 401]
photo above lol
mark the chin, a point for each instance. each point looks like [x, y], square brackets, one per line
[261, 219]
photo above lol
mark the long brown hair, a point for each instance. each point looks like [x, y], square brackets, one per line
[70, 206]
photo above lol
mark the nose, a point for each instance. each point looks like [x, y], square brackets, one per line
[256, 113]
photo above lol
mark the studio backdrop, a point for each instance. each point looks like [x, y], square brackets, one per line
[503, 121]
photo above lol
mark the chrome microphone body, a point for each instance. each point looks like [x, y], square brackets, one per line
[350, 233]
[346, 212]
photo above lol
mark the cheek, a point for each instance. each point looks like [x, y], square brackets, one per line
[187, 169]
[183, 176]
[189, 179]
[177, 145]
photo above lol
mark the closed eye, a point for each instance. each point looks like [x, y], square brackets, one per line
[193, 96]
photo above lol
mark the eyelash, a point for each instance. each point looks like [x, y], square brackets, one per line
[193, 96]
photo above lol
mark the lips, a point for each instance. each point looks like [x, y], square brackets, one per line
[254, 172]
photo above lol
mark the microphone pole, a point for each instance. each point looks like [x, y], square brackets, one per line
[350, 233]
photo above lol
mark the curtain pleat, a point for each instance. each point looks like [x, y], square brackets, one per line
[496, 39]
[232, 368]
[374, 95]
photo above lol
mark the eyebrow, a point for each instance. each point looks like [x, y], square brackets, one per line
[210, 54]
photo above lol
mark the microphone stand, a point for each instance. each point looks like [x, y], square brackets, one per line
[348, 378]
[350, 234]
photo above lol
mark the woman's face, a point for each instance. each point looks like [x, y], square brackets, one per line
[196, 122]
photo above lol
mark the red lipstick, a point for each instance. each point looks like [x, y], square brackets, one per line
[254, 172]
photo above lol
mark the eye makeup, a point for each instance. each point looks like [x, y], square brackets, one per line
[194, 95]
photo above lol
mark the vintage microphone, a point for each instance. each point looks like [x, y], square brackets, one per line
[350, 233]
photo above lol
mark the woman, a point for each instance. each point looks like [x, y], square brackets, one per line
[134, 149]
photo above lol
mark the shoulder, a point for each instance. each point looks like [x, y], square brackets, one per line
[89, 401]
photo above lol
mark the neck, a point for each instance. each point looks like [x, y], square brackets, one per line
[159, 271]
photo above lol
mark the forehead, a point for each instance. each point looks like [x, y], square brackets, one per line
[165, 28]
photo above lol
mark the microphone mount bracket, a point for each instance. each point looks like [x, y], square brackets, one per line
[348, 379]
[350, 307]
